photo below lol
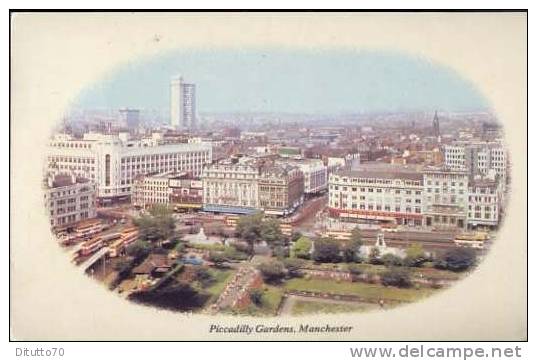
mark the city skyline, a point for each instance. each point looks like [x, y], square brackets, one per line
[279, 81]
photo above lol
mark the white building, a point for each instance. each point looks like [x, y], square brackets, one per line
[479, 158]
[231, 188]
[315, 174]
[69, 199]
[130, 118]
[348, 162]
[182, 104]
[378, 192]
[113, 162]
[484, 203]
[151, 189]
[445, 197]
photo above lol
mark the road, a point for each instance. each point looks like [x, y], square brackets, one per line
[94, 258]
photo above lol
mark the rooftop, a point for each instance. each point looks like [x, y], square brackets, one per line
[384, 171]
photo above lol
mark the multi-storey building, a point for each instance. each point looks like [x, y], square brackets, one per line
[69, 199]
[186, 193]
[434, 197]
[479, 158]
[484, 203]
[348, 162]
[281, 189]
[231, 188]
[315, 174]
[113, 161]
[182, 104]
[177, 190]
[129, 118]
[378, 192]
[148, 190]
[445, 197]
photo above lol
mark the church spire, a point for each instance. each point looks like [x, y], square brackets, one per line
[436, 124]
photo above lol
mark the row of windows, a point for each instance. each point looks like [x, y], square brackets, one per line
[81, 160]
[374, 190]
[165, 157]
[377, 181]
[71, 145]
[378, 207]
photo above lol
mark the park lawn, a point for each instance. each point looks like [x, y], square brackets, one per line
[308, 307]
[272, 297]
[221, 278]
[435, 274]
[366, 290]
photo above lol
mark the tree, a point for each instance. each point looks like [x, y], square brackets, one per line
[249, 229]
[391, 260]
[255, 228]
[270, 232]
[415, 256]
[160, 210]
[326, 250]
[457, 259]
[351, 248]
[158, 226]
[295, 236]
[294, 266]
[397, 277]
[374, 256]
[356, 236]
[302, 248]
[272, 271]
[217, 258]
[138, 249]
[280, 252]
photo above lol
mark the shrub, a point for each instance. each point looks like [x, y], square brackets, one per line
[327, 250]
[391, 260]
[272, 270]
[415, 256]
[256, 296]
[302, 248]
[354, 270]
[293, 266]
[397, 277]
[457, 260]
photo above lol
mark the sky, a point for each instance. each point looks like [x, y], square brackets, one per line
[283, 81]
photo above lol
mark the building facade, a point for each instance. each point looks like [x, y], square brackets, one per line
[281, 189]
[484, 203]
[445, 197]
[130, 118]
[113, 162]
[479, 158]
[432, 197]
[182, 104]
[379, 193]
[231, 188]
[177, 190]
[315, 174]
[69, 199]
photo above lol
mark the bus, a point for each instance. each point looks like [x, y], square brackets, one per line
[91, 246]
[116, 248]
[471, 240]
[88, 228]
[128, 236]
